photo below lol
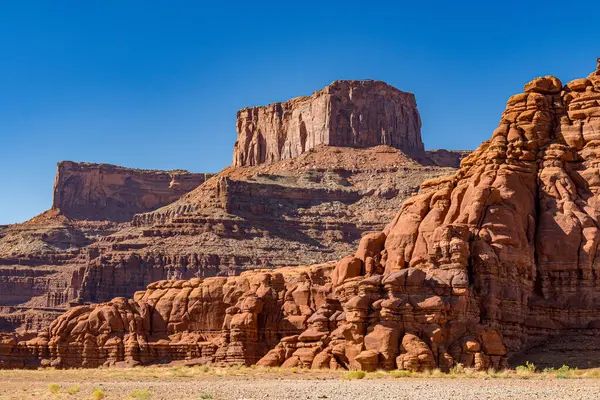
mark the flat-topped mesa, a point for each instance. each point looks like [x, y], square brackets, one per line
[359, 114]
[109, 192]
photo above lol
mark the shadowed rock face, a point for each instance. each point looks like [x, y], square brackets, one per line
[109, 192]
[477, 267]
[345, 113]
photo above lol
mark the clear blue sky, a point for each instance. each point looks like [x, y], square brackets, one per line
[152, 84]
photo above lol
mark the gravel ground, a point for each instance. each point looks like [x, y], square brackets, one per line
[13, 387]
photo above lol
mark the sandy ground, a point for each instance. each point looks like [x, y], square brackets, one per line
[155, 384]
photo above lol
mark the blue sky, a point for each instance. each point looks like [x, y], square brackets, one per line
[157, 84]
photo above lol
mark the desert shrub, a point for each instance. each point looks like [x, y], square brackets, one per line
[98, 394]
[54, 388]
[350, 375]
[206, 396]
[528, 367]
[73, 390]
[564, 368]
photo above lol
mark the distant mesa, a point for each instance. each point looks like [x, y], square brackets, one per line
[109, 192]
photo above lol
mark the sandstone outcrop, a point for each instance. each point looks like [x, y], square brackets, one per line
[310, 209]
[231, 320]
[344, 114]
[306, 210]
[111, 193]
[43, 261]
[476, 268]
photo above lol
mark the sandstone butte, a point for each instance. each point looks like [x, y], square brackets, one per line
[345, 113]
[479, 266]
[112, 231]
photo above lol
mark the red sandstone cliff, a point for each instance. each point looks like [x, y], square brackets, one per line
[477, 267]
[109, 192]
[345, 113]
[308, 209]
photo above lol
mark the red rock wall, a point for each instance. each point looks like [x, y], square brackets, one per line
[232, 320]
[477, 267]
[110, 192]
[345, 113]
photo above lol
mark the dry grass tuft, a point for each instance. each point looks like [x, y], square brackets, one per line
[351, 375]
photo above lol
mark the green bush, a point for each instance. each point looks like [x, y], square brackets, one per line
[206, 396]
[528, 367]
[564, 368]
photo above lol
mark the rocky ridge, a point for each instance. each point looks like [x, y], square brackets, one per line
[469, 271]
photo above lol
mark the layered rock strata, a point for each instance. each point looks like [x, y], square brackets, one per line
[226, 320]
[479, 266]
[43, 261]
[345, 113]
[113, 193]
[303, 210]
[311, 209]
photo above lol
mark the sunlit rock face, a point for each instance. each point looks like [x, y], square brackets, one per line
[345, 113]
[476, 268]
[104, 192]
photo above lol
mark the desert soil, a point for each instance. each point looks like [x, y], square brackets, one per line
[157, 384]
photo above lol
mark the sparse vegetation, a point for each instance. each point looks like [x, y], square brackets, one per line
[54, 388]
[399, 373]
[98, 394]
[528, 367]
[564, 368]
[119, 382]
[140, 394]
[350, 375]
[73, 389]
